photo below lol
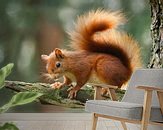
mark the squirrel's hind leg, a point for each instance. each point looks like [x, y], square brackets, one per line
[111, 71]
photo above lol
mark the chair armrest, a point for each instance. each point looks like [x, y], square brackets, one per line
[148, 100]
[149, 88]
[98, 87]
[103, 85]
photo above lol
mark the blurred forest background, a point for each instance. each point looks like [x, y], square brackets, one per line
[29, 28]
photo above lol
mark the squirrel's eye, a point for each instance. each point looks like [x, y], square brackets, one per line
[58, 64]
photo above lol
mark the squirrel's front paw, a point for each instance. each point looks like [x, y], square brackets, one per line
[57, 85]
[72, 92]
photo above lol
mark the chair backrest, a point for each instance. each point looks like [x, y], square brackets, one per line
[146, 77]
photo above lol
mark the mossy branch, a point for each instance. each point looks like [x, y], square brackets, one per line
[57, 96]
[50, 95]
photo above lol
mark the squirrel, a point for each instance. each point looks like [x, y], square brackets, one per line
[101, 53]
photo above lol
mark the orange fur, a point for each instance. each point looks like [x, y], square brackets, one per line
[102, 54]
[96, 32]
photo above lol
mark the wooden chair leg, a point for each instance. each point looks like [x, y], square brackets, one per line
[124, 125]
[146, 109]
[160, 98]
[94, 121]
[97, 95]
[112, 94]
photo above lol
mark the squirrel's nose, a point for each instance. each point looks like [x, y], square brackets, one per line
[52, 70]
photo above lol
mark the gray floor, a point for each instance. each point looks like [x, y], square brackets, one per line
[58, 121]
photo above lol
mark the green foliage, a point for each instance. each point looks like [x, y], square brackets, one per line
[4, 72]
[20, 99]
[8, 126]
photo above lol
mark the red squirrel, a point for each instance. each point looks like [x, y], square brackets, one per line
[101, 53]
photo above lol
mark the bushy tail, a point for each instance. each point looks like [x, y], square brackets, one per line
[96, 32]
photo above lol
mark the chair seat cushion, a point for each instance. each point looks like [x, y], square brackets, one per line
[125, 110]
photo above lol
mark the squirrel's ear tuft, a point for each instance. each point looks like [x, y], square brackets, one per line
[44, 57]
[59, 53]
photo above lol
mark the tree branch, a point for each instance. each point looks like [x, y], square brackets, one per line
[57, 96]
[52, 96]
